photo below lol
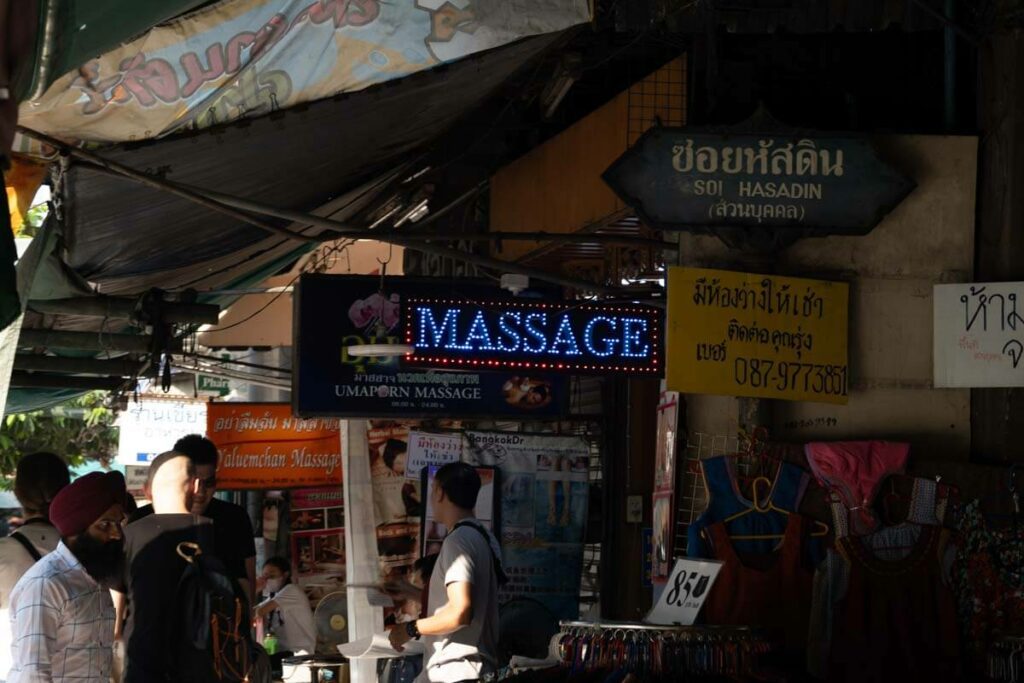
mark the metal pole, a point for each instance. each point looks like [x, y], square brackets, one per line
[127, 309]
[331, 232]
[41, 380]
[223, 208]
[283, 384]
[103, 165]
[121, 367]
[90, 341]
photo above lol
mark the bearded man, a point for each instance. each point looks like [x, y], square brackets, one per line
[62, 615]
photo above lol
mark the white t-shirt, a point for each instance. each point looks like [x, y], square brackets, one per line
[14, 562]
[470, 652]
[292, 622]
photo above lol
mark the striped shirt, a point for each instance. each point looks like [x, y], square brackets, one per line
[62, 623]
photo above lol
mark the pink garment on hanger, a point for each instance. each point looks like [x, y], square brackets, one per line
[854, 470]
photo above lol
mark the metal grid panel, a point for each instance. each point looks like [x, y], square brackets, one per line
[659, 97]
[691, 495]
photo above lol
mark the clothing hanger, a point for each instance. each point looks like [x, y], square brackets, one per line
[756, 460]
[759, 507]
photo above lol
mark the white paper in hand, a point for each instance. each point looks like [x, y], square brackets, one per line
[688, 587]
[378, 646]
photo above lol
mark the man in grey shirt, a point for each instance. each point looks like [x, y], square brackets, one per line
[461, 633]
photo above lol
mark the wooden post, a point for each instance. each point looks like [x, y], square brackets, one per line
[996, 413]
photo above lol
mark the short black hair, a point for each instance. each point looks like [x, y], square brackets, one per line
[460, 483]
[282, 564]
[425, 565]
[37, 479]
[200, 450]
[392, 449]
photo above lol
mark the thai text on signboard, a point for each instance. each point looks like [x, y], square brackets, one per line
[262, 446]
[685, 179]
[554, 337]
[149, 427]
[764, 336]
[979, 335]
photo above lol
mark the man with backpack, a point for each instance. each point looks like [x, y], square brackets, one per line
[231, 526]
[62, 617]
[461, 635]
[38, 479]
[187, 619]
[152, 567]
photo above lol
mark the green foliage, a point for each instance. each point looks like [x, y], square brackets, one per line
[34, 218]
[81, 429]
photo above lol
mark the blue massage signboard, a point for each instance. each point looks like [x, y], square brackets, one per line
[334, 312]
[529, 335]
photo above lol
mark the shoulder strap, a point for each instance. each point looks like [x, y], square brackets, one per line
[499, 572]
[27, 545]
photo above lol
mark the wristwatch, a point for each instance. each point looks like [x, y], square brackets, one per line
[411, 630]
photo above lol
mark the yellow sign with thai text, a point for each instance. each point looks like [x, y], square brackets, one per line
[761, 336]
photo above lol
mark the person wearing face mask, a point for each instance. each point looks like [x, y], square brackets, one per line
[285, 609]
[62, 616]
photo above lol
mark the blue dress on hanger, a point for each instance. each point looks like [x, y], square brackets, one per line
[725, 500]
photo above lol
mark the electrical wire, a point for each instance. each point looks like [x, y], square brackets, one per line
[230, 361]
[342, 245]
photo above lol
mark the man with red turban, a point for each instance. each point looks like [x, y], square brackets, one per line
[62, 616]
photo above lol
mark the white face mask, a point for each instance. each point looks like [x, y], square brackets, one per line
[273, 586]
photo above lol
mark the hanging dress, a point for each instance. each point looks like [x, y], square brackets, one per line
[771, 591]
[725, 500]
[896, 619]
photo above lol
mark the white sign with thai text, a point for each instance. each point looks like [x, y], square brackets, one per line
[431, 449]
[688, 587]
[979, 335]
[148, 428]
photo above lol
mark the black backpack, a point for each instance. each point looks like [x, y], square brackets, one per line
[212, 638]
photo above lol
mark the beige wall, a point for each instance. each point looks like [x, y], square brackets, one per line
[273, 325]
[557, 186]
[927, 239]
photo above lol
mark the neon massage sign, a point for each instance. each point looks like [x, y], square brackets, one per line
[533, 335]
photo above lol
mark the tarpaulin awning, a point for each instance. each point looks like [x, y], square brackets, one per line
[245, 58]
[71, 32]
[298, 159]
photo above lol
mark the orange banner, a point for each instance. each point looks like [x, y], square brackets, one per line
[262, 446]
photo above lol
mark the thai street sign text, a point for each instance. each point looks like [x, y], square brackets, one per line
[687, 179]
